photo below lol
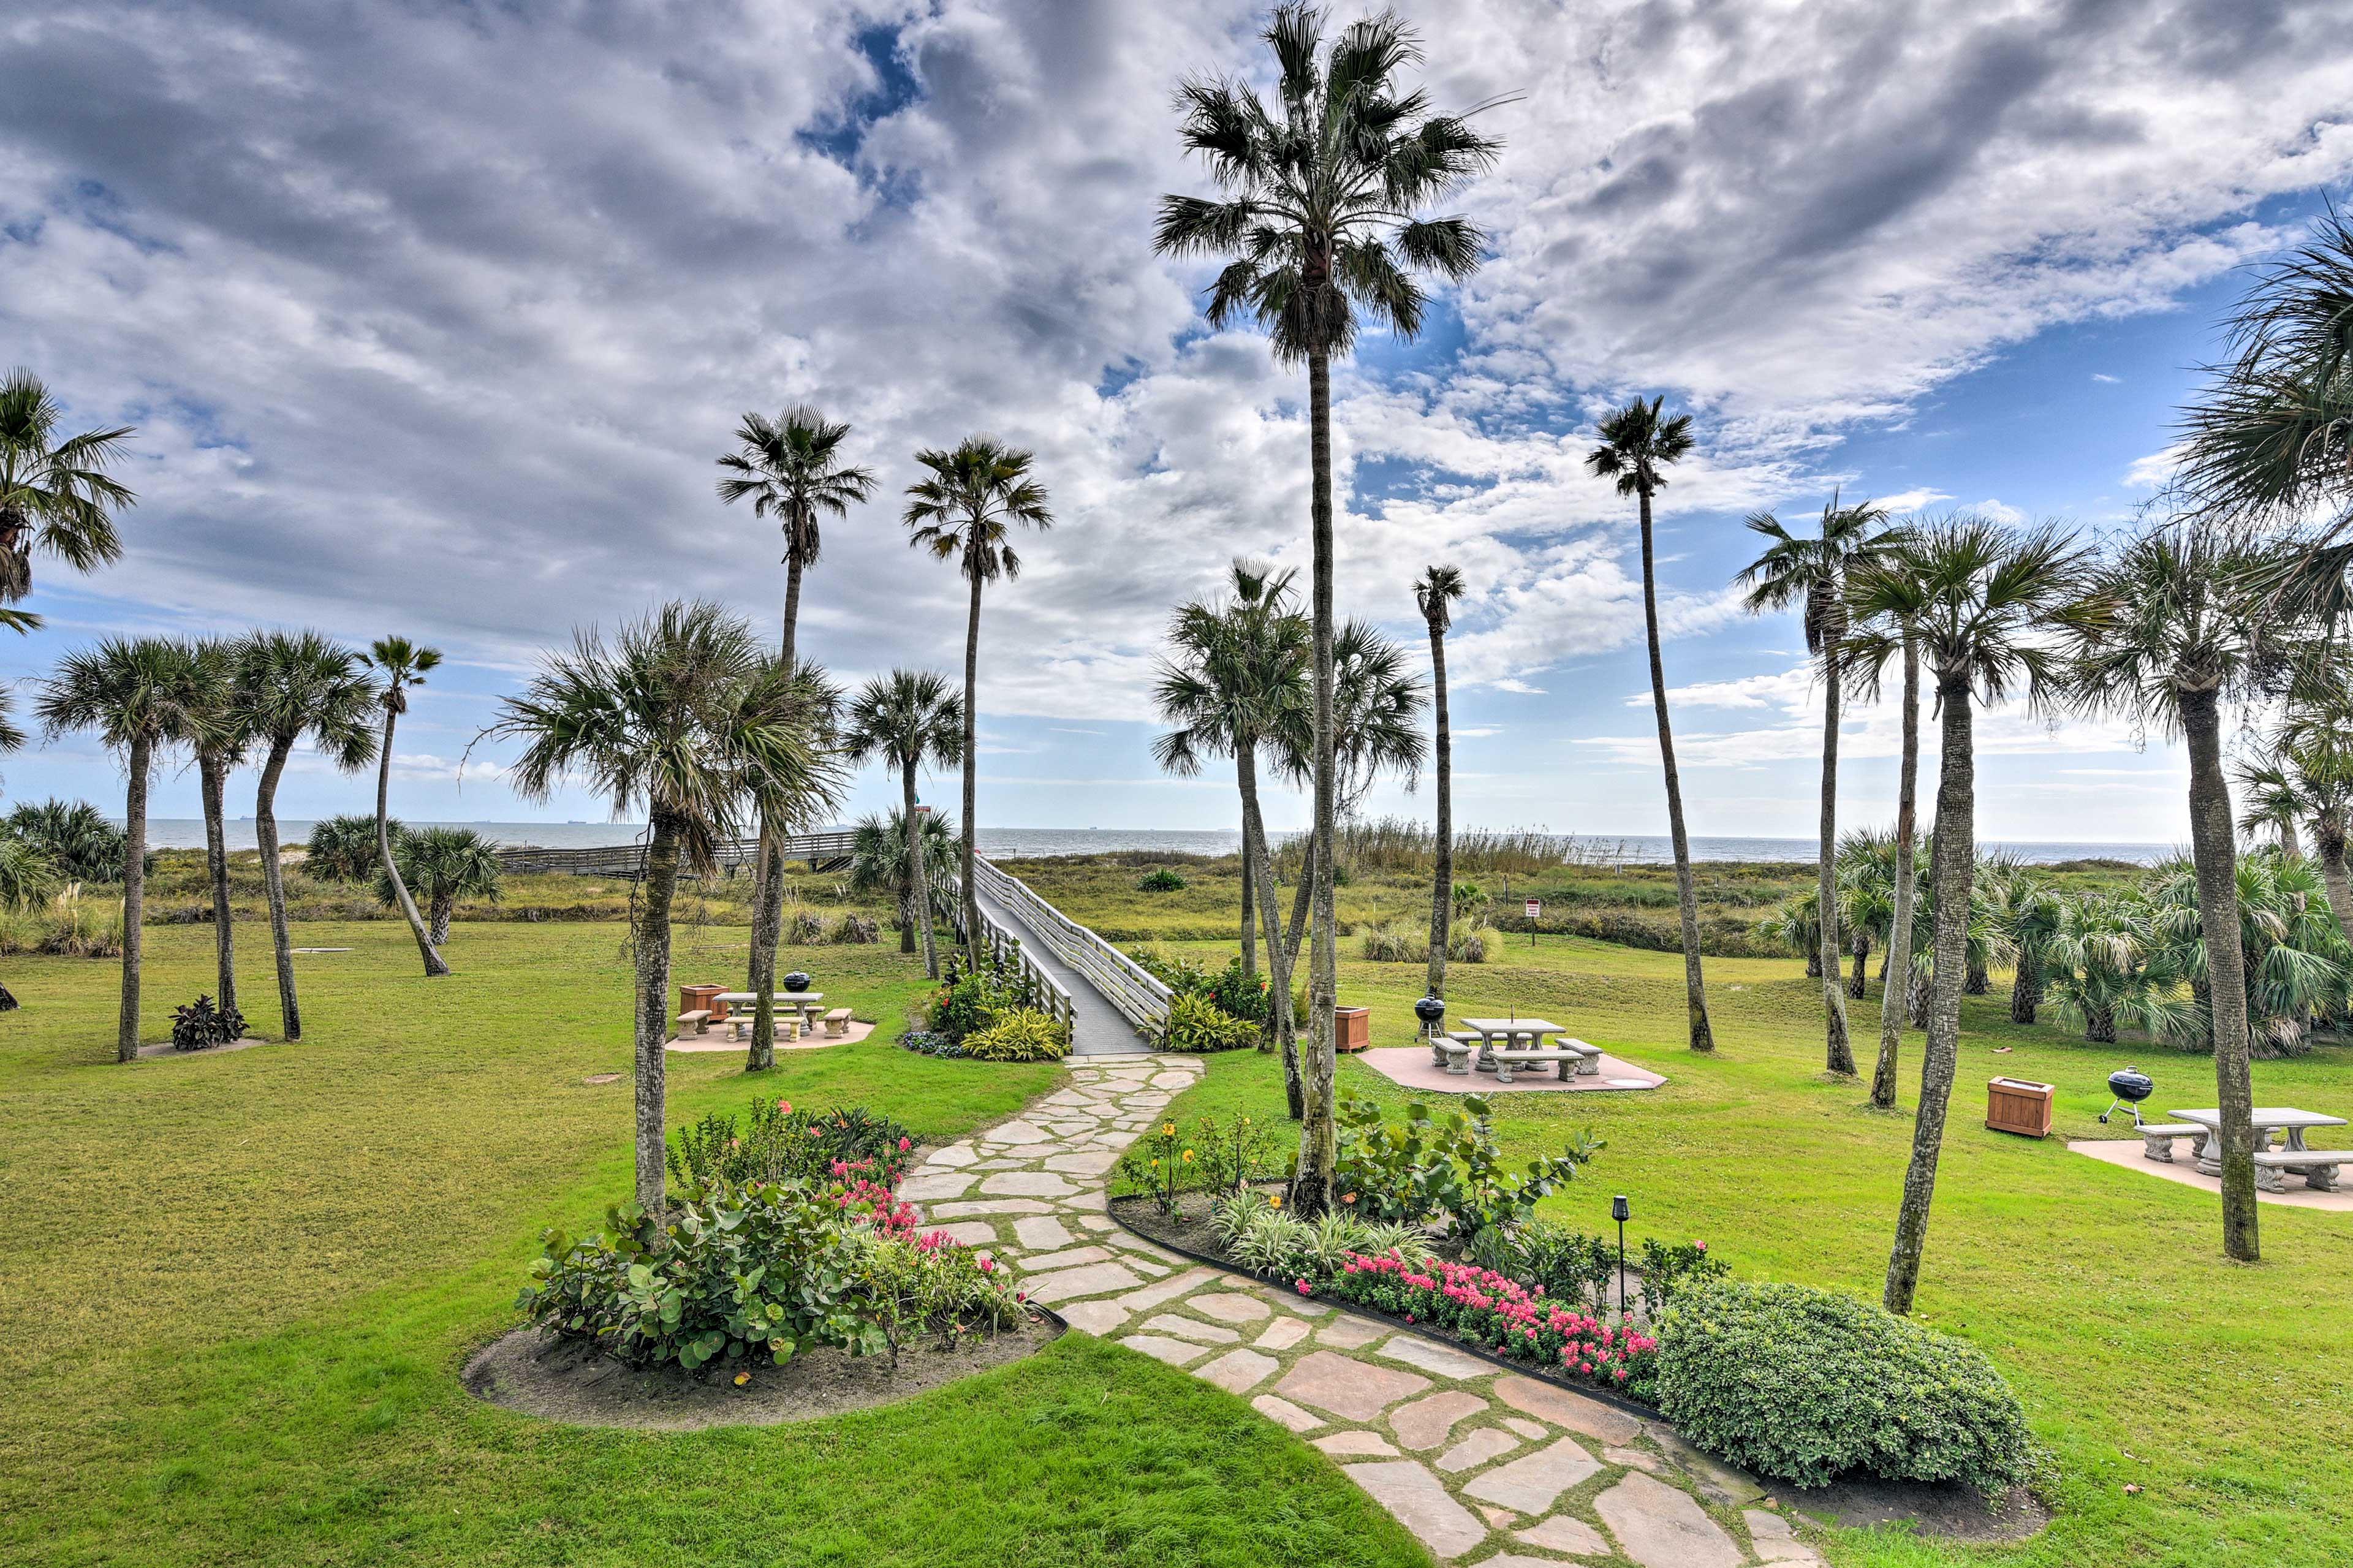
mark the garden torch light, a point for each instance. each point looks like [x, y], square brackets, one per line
[1622, 1211]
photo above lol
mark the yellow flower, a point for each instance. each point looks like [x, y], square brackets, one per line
[1155, 1164]
[742, 1378]
[1168, 1129]
[1274, 1200]
[1189, 1155]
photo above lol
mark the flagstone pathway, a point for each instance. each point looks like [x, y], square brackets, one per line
[1487, 1466]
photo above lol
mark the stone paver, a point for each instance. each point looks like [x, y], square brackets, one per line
[1427, 1423]
[1032, 1191]
[1660, 1527]
[1349, 1389]
[1476, 1449]
[1562, 1533]
[1420, 1502]
[1533, 1482]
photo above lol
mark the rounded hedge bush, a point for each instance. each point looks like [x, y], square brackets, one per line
[1805, 1384]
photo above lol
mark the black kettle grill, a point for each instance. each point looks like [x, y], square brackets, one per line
[1429, 1010]
[2130, 1085]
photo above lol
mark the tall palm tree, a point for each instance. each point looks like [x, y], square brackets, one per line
[2271, 435]
[290, 685]
[443, 865]
[141, 695]
[1317, 217]
[788, 467]
[220, 746]
[54, 495]
[1237, 680]
[1636, 445]
[2169, 630]
[1435, 591]
[1984, 596]
[683, 716]
[907, 718]
[821, 701]
[402, 664]
[1883, 608]
[1813, 572]
[966, 511]
[2313, 767]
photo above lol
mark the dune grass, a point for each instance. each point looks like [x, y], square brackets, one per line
[240, 1286]
[2143, 1357]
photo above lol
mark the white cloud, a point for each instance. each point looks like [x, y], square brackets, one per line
[2151, 472]
[2106, 379]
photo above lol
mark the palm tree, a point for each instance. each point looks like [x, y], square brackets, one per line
[290, 685]
[2271, 437]
[2309, 772]
[791, 468]
[2029, 911]
[444, 865]
[1435, 591]
[1883, 609]
[403, 664]
[221, 748]
[1813, 572]
[907, 718]
[1983, 594]
[54, 495]
[1636, 444]
[879, 863]
[1316, 219]
[2293, 958]
[2104, 969]
[967, 509]
[683, 716]
[1237, 681]
[1796, 923]
[821, 700]
[139, 695]
[2168, 630]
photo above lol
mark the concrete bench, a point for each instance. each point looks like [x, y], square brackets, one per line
[2157, 1137]
[699, 1020]
[1569, 1056]
[1454, 1053]
[2318, 1165]
[837, 1023]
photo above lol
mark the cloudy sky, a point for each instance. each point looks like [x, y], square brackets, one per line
[433, 318]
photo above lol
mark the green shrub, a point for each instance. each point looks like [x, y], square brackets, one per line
[1425, 1166]
[74, 835]
[1020, 1034]
[343, 848]
[1571, 1266]
[1215, 1157]
[199, 1028]
[776, 1144]
[1806, 1386]
[969, 1003]
[1197, 1024]
[1669, 1271]
[1162, 880]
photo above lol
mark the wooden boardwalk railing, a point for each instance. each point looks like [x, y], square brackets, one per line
[1139, 998]
[821, 850]
[1006, 950]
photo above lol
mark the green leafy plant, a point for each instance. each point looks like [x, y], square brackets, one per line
[1020, 1034]
[198, 1026]
[343, 848]
[1670, 1270]
[1197, 1024]
[1162, 1163]
[1425, 1166]
[970, 1002]
[1806, 1386]
[775, 1142]
[1570, 1265]
[1162, 880]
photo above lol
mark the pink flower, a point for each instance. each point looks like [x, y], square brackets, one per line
[1302, 1288]
[988, 1265]
[905, 1145]
[786, 1106]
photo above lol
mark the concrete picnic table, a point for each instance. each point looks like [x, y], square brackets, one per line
[1489, 1029]
[801, 1002]
[2267, 1119]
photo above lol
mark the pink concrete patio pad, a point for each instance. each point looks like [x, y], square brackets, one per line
[716, 1042]
[2126, 1153]
[1411, 1065]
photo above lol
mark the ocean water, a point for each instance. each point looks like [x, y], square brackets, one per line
[1029, 843]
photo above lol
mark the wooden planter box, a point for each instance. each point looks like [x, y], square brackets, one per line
[2019, 1105]
[1352, 1028]
[703, 998]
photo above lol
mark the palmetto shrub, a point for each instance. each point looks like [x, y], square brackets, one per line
[85, 847]
[1162, 880]
[1806, 1386]
[343, 848]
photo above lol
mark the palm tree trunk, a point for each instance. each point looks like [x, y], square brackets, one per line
[212, 773]
[1441, 894]
[1955, 863]
[1276, 1030]
[1294, 1091]
[1859, 987]
[2328, 840]
[443, 904]
[1980, 982]
[1247, 786]
[767, 922]
[1838, 1055]
[922, 899]
[1318, 1135]
[434, 967]
[652, 948]
[2025, 988]
[792, 602]
[971, 755]
[134, 897]
[1703, 1037]
[273, 885]
[2214, 847]
[1923, 983]
[1814, 962]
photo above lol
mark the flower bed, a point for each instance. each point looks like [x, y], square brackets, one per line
[1498, 1315]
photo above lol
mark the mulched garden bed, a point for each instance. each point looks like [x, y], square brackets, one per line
[564, 1379]
[1950, 1511]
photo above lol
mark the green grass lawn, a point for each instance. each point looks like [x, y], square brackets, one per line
[240, 1286]
[2141, 1355]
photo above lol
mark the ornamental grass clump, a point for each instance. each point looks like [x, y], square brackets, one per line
[1502, 1317]
[1807, 1386]
[1197, 1024]
[1020, 1034]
